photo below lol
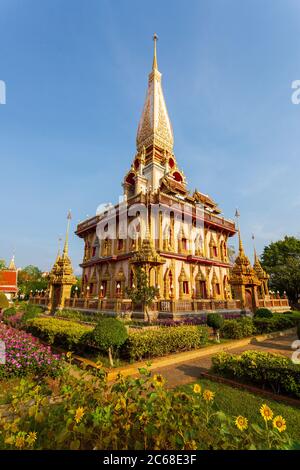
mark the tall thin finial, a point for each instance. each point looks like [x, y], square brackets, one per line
[237, 216]
[154, 65]
[66, 246]
[254, 249]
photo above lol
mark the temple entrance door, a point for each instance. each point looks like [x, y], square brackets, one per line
[249, 299]
[55, 297]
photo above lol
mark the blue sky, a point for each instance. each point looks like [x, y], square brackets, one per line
[76, 75]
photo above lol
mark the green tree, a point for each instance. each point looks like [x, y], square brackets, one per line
[142, 293]
[109, 334]
[2, 264]
[78, 285]
[31, 279]
[281, 260]
[215, 321]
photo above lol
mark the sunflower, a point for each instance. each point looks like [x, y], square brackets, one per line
[241, 423]
[20, 441]
[266, 412]
[31, 438]
[79, 414]
[208, 395]
[279, 423]
[197, 388]
[158, 380]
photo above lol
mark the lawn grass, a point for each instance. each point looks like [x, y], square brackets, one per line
[236, 402]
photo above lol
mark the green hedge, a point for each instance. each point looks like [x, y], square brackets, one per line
[273, 371]
[263, 313]
[276, 323]
[165, 340]
[61, 332]
[237, 329]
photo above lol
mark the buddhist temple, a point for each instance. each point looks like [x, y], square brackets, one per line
[182, 238]
[178, 237]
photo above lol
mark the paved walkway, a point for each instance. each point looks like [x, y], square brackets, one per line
[188, 371]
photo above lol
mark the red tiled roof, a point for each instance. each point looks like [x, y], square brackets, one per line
[8, 281]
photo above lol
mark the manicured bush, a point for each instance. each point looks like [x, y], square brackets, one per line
[276, 323]
[89, 317]
[273, 371]
[263, 313]
[166, 340]
[237, 329]
[61, 332]
[3, 301]
[215, 321]
[109, 334]
[25, 355]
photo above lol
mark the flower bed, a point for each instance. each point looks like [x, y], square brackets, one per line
[24, 354]
[133, 414]
[268, 370]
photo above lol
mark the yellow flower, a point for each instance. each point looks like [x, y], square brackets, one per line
[266, 412]
[121, 404]
[208, 395]
[79, 414]
[144, 418]
[279, 423]
[31, 438]
[158, 380]
[241, 423]
[69, 354]
[20, 442]
[197, 388]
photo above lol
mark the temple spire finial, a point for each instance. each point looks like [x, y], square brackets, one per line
[154, 65]
[241, 248]
[12, 265]
[66, 246]
[254, 249]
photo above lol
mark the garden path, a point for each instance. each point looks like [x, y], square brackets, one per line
[188, 371]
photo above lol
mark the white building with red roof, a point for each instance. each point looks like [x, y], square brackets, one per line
[9, 280]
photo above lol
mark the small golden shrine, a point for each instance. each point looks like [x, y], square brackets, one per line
[61, 277]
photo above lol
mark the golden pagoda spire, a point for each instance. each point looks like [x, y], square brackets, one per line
[155, 126]
[154, 65]
[241, 248]
[12, 265]
[66, 245]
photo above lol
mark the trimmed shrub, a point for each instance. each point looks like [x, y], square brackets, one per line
[61, 332]
[154, 343]
[276, 323]
[89, 317]
[109, 334]
[237, 329]
[263, 313]
[273, 371]
[215, 321]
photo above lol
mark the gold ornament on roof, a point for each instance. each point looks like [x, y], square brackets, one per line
[155, 125]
